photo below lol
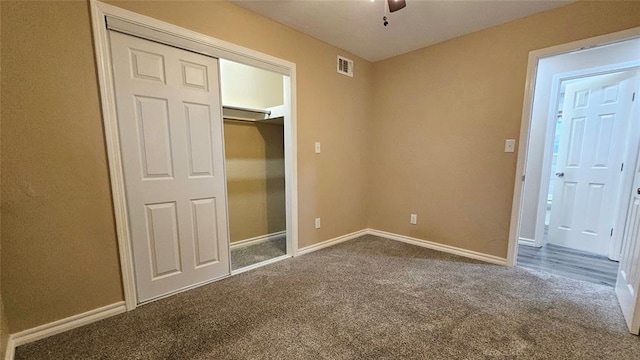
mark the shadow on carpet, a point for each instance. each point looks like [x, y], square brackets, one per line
[369, 298]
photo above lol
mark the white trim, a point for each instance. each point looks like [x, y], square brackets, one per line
[440, 247]
[260, 264]
[331, 242]
[532, 65]
[626, 182]
[60, 326]
[291, 160]
[186, 288]
[107, 98]
[124, 21]
[153, 27]
[406, 239]
[258, 239]
[11, 349]
[527, 242]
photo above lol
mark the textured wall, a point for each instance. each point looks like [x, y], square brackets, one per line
[442, 115]
[4, 330]
[4, 325]
[59, 254]
[59, 246]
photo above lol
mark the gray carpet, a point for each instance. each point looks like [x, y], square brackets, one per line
[368, 298]
[253, 254]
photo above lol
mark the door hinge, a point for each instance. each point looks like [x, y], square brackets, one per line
[633, 97]
[611, 232]
[523, 176]
[621, 166]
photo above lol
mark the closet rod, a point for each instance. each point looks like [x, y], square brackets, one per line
[259, 111]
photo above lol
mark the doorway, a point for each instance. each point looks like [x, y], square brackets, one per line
[592, 134]
[574, 198]
[537, 111]
[253, 116]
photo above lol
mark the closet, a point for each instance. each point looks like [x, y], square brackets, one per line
[179, 217]
[253, 113]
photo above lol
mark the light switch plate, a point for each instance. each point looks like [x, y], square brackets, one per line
[317, 147]
[510, 145]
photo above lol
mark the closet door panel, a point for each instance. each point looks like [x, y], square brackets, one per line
[170, 125]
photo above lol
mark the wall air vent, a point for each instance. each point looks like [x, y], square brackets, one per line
[345, 66]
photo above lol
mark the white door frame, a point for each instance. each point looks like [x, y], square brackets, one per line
[545, 176]
[527, 109]
[149, 28]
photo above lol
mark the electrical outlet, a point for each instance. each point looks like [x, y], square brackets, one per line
[317, 223]
[510, 145]
[414, 219]
[317, 147]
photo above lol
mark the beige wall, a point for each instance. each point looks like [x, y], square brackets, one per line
[254, 155]
[4, 331]
[4, 326]
[59, 253]
[442, 114]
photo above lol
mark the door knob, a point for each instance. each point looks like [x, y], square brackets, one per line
[638, 191]
[560, 174]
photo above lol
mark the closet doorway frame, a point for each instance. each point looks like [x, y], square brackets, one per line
[152, 29]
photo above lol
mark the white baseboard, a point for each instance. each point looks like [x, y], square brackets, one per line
[258, 239]
[331, 242]
[406, 239]
[11, 349]
[440, 247]
[527, 242]
[260, 264]
[57, 327]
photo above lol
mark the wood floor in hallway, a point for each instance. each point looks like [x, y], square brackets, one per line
[568, 262]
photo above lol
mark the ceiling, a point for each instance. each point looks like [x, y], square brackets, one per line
[356, 25]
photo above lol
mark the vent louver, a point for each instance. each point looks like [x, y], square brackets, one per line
[345, 66]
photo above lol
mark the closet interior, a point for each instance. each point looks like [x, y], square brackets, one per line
[253, 112]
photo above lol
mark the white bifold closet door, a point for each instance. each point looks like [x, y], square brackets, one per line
[170, 125]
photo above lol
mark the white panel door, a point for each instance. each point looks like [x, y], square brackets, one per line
[595, 117]
[628, 282]
[170, 127]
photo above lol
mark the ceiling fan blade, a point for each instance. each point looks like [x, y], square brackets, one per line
[395, 5]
